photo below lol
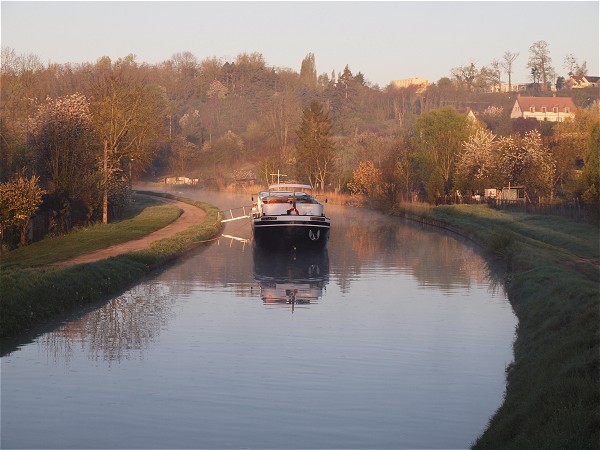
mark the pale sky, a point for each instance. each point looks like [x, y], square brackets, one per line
[384, 40]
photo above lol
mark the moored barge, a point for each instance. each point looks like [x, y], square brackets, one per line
[287, 216]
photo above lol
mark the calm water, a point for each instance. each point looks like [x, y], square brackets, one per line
[395, 337]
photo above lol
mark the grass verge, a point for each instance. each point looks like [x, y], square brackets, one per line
[552, 398]
[143, 217]
[32, 296]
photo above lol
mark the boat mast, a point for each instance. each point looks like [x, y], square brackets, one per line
[278, 175]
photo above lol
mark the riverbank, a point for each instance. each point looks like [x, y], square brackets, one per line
[552, 398]
[34, 294]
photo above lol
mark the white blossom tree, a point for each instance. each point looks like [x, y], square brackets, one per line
[488, 161]
[64, 151]
[477, 166]
[539, 166]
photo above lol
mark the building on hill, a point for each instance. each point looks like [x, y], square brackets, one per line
[503, 87]
[579, 82]
[469, 113]
[551, 109]
[420, 83]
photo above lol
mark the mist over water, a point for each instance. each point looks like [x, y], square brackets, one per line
[396, 336]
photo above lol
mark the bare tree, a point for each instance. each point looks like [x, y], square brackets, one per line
[465, 75]
[282, 111]
[507, 64]
[495, 71]
[540, 64]
[486, 78]
[126, 116]
[573, 67]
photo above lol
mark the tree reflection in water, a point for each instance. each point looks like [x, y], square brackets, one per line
[121, 328]
[435, 259]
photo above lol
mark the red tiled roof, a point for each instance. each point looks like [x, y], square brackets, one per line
[549, 102]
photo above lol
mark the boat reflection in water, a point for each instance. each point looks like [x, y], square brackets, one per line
[291, 277]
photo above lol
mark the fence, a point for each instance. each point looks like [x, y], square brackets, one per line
[570, 210]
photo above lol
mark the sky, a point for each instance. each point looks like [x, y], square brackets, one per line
[385, 41]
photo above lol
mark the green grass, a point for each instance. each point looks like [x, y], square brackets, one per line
[35, 295]
[552, 398]
[143, 217]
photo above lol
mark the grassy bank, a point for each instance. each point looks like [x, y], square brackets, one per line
[144, 216]
[33, 295]
[553, 386]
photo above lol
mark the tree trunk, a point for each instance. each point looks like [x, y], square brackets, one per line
[24, 229]
[105, 186]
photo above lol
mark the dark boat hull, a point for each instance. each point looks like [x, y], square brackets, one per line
[290, 234]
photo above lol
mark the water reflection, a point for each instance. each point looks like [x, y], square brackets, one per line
[369, 241]
[291, 278]
[120, 329]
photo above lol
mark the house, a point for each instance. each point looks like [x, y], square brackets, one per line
[511, 194]
[506, 194]
[551, 109]
[583, 81]
[471, 116]
[420, 83]
[179, 180]
[503, 87]
[468, 113]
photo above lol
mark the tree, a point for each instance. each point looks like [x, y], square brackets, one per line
[487, 161]
[465, 75]
[315, 149]
[438, 139]
[527, 161]
[477, 166]
[507, 64]
[402, 173]
[345, 81]
[488, 77]
[127, 117]
[591, 170]
[366, 179]
[308, 71]
[20, 198]
[495, 73]
[282, 113]
[540, 64]
[573, 67]
[183, 153]
[64, 150]
[569, 146]
[217, 90]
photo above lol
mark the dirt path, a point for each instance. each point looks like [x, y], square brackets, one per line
[191, 215]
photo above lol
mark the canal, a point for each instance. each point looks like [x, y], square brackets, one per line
[396, 336]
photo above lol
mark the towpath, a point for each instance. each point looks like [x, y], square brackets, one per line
[191, 215]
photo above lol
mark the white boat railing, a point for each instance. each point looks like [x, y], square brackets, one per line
[289, 186]
[245, 213]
